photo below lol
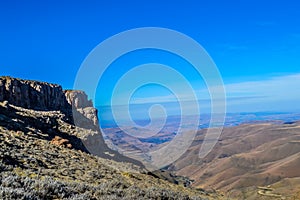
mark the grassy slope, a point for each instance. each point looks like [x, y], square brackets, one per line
[33, 168]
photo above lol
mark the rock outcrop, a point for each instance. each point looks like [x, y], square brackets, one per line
[78, 99]
[50, 97]
[32, 94]
[58, 108]
[84, 113]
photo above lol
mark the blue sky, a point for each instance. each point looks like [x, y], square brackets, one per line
[255, 44]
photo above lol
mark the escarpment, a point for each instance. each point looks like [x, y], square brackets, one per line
[43, 96]
[32, 94]
[58, 109]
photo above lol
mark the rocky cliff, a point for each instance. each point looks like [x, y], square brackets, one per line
[32, 94]
[83, 112]
[60, 107]
[49, 97]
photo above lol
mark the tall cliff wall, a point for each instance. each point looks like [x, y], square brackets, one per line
[43, 96]
[84, 114]
[32, 94]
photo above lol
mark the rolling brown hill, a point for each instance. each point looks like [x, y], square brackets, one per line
[250, 161]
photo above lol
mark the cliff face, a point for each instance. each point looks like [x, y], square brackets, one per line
[78, 99]
[58, 109]
[84, 113]
[32, 94]
[49, 97]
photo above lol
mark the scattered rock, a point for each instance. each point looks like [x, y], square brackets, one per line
[61, 142]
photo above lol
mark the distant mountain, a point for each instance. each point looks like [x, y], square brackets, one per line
[52, 148]
[118, 138]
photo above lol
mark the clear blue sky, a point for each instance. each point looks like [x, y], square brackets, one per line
[254, 43]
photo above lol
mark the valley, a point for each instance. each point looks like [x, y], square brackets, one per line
[254, 152]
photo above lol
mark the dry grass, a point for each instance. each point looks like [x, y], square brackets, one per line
[33, 168]
[245, 157]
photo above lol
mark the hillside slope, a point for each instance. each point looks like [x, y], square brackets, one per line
[45, 154]
[248, 157]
